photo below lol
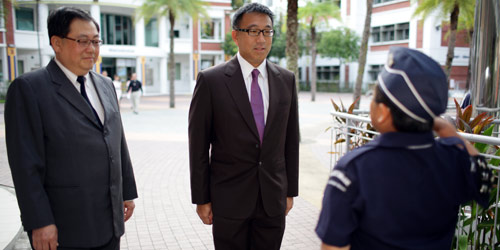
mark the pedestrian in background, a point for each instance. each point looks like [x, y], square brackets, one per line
[244, 140]
[403, 189]
[118, 87]
[66, 147]
[135, 91]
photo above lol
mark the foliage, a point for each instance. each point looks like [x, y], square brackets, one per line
[342, 43]
[172, 9]
[169, 8]
[311, 15]
[279, 40]
[228, 46]
[460, 13]
[236, 4]
[362, 136]
[469, 212]
[464, 122]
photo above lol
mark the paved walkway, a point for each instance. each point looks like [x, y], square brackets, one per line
[164, 217]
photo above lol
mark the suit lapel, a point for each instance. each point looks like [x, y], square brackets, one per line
[236, 86]
[275, 87]
[68, 91]
[102, 93]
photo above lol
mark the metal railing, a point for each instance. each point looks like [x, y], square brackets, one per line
[349, 131]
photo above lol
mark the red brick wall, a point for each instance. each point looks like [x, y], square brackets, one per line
[386, 47]
[459, 74]
[420, 33]
[210, 46]
[348, 7]
[462, 37]
[9, 25]
[394, 6]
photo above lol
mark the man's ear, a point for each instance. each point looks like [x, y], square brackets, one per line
[234, 33]
[56, 43]
[384, 114]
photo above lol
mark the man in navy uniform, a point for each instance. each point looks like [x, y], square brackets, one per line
[403, 189]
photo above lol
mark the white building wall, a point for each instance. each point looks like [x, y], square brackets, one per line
[155, 57]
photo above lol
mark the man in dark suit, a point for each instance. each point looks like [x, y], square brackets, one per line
[244, 140]
[67, 151]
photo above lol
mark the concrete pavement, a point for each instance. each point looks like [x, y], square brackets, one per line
[164, 217]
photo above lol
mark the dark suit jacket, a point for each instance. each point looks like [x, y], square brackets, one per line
[67, 169]
[228, 164]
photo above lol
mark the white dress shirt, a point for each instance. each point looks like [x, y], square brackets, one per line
[246, 70]
[89, 87]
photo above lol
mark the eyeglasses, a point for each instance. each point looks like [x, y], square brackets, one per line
[256, 32]
[84, 43]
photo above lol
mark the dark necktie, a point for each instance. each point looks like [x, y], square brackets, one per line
[81, 80]
[257, 104]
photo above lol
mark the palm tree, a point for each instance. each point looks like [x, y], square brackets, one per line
[451, 8]
[312, 14]
[363, 51]
[171, 9]
[292, 46]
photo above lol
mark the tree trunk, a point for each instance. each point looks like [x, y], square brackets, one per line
[171, 61]
[292, 47]
[313, 63]
[451, 42]
[363, 50]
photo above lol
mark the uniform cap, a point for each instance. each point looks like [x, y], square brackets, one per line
[415, 83]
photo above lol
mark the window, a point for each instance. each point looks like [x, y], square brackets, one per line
[211, 29]
[177, 71]
[328, 73]
[151, 31]
[374, 70]
[20, 67]
[117, 30]
[402, 31]
[393, 32]
[381, 1]
[25, 19]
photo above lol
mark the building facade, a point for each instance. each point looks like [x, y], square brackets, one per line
[392, 24]
[129, 44]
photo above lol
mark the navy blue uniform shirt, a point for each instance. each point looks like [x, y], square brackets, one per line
[400, 191]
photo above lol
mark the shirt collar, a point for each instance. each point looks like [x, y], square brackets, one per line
[247, 68]
[70, 75]
[404, 140]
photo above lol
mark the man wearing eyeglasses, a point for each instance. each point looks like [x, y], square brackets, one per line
[67, 151]
[244, 140]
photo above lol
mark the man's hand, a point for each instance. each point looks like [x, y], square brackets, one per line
[128, 209]
[328, 247]
[289, 205]
[445, 129]
[45, 238]
[205, 213]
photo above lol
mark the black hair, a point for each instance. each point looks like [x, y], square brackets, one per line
[250, 8]
[59, 20]
[401, 121]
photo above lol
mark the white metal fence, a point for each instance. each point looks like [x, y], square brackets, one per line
[349, 131]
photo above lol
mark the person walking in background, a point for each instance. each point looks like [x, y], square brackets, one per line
[403, 189]
[105, 74]
[66, 147]
[244, 140]
[118, 87]
[134, 86]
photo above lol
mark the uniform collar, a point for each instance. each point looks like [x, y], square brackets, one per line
[404, 140]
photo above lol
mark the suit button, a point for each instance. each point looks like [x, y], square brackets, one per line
[256, 145]
[260, 163]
